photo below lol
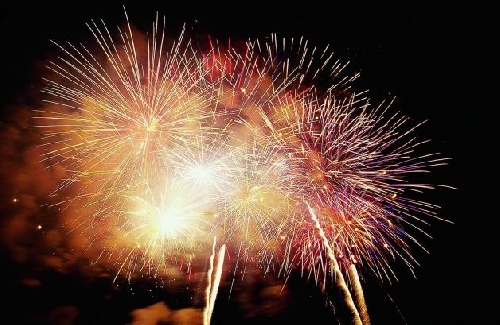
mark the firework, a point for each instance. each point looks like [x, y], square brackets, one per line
[360, 161]
[213, 286]
[166, 144]
[125, 121]
[339, 277]
[359, 298]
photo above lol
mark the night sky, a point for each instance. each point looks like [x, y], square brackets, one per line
[428, 55]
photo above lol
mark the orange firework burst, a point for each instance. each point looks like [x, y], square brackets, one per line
[121, 121]
[167, 145]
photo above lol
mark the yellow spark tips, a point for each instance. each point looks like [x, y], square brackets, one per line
[152, 125]
[166, 224]
[171, 225]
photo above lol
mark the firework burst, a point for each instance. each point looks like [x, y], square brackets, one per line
[121, 121]
[362, 162]
[113, 115]
[167, 145]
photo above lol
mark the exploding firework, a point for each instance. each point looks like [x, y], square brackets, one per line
[360, 161]
[167, 144]
[130, 124]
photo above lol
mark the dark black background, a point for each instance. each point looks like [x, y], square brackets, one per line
[429, 54]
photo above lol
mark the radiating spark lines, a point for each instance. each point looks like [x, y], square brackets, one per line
[167, 144]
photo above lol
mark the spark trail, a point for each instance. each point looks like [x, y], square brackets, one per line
[359, 298]
[213, 286]
[339, 277]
